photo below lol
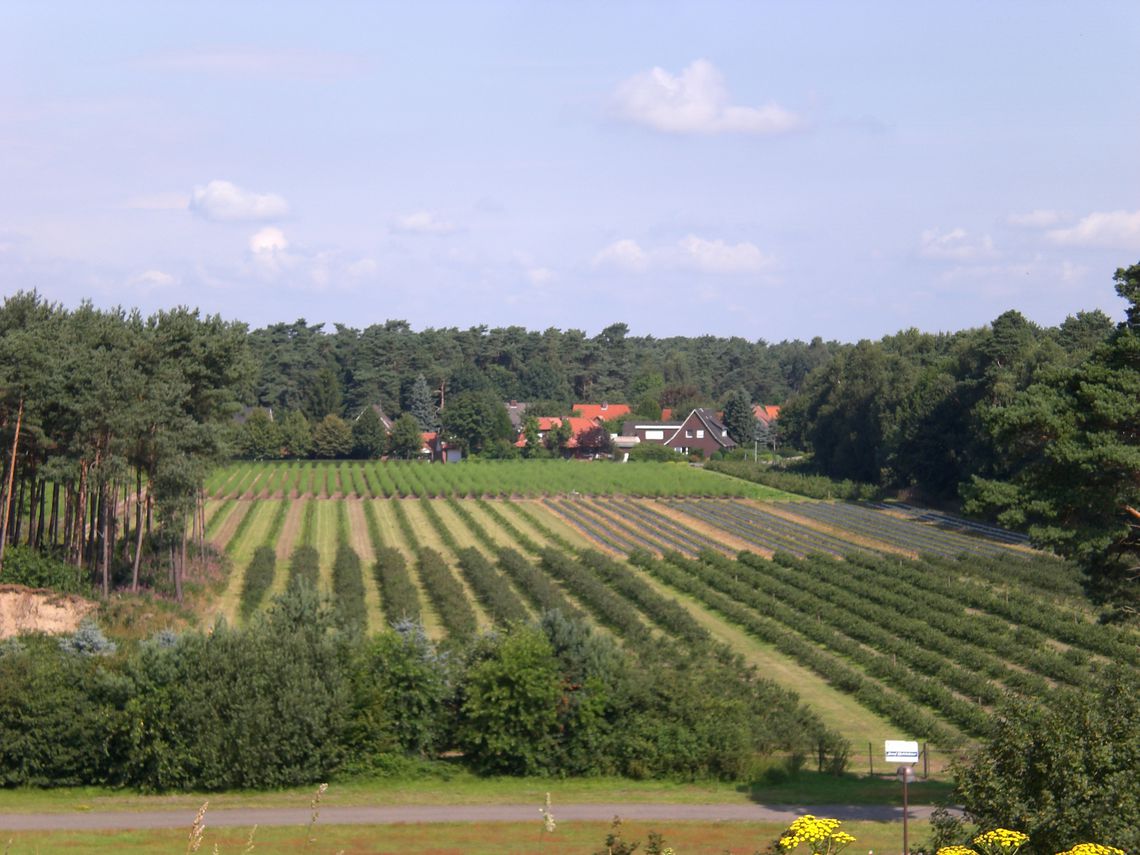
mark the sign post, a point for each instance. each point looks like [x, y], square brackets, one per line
[905, 754]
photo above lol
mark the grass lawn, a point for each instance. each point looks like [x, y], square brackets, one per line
[452, 786]
[468, 838]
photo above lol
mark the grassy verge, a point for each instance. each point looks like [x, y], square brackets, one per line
[468, 838]
[452, 786]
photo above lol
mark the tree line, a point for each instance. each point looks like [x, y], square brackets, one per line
[1036, 427]
[110, 423]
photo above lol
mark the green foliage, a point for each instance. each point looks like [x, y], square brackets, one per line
[59, 719]
[369, 439]
[258, 579]
[24, 566]
[332, 438]
[801, 483]
[400, 688]
[508, 719]
[259, 438]
[407, 438]
[305, 564]
[652, 453]
[262, 707]
[421, 406]
[296, 434]
[739, 419]
[1064, 773]
[1074, 457]
[476, 420]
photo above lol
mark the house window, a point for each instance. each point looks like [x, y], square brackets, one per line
[700, 434]
[655, 434]
[724, 433]
[688, 434]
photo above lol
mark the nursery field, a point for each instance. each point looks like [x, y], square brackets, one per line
[887, 620]
[477, 478]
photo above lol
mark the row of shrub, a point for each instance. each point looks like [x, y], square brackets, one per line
[292, 698]
[725, 593]
[801, 483]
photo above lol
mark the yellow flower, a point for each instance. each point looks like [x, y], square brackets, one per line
[1001, 841]
[956, 850]
[1092, 849]
[821, 834]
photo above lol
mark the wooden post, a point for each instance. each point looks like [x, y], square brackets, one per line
[925, 763]
[870, 759]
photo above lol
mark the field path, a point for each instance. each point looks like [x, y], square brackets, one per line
[290, 532]
[260, 516]
[224, 532]
[247, 817]
[361, 543]
[838, 710]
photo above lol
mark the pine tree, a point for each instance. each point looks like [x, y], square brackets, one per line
[421, 406]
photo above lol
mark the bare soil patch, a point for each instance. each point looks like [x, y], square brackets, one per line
[27, 610]
[728, 541]
[225, 532]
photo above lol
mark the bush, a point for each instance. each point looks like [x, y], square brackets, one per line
[1065, 772]
[648, 452]
[24, 566]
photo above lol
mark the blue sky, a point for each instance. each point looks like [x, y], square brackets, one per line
[768, 170]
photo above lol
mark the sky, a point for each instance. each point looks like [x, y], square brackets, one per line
[758, 169]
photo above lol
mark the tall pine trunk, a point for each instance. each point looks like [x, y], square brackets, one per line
[138, 532]
[11, 478]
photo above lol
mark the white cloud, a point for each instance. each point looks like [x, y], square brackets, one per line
[689, 253]
[226, 202]
[716, 256]
[695, 102]
[1106, 229]
[955, 245]
[269, 240]
[623, 254]
[539, 275]
[159, 202]
[152, 280]
[423, 223]
[1039, 219]
[270, 252]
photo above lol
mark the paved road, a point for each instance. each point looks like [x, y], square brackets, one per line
[246, 817]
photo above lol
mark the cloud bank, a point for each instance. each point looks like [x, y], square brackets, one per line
[696, 101]
[689, 253]
[222, 201]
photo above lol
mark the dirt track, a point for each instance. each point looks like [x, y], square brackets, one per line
[246, 817]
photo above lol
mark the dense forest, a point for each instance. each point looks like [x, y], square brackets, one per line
[108, 431]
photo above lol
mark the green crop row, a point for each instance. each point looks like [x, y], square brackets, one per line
[500, 478]
[398, 596]
[447, 594]
[347, 578]
[723, 593]
[491, 589]
[535, 585]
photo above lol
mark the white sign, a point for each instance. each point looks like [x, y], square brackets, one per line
[898, 751]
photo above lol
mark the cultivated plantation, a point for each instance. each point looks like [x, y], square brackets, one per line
[886, 619]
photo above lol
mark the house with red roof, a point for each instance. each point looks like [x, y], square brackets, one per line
[766, 415]
[601, 412]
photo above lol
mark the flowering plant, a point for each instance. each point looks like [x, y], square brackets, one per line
[1092, 849]
[822, 835]
[1000, 841]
